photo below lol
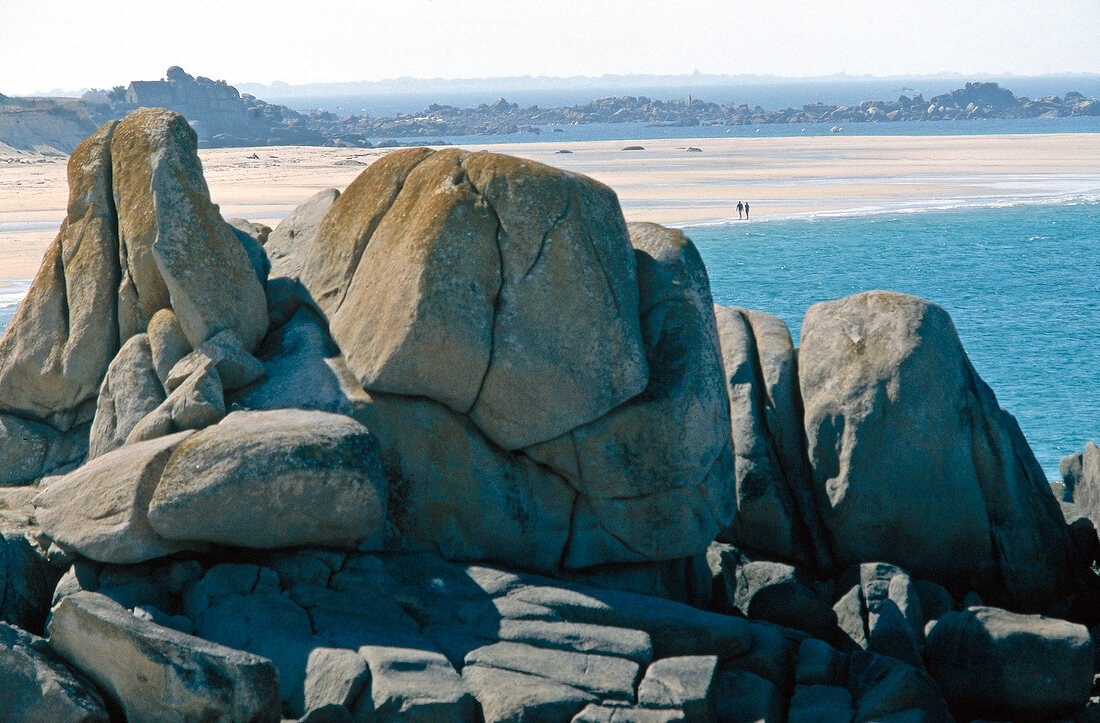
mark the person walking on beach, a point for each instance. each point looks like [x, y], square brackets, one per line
[739, 207]
[746, 209]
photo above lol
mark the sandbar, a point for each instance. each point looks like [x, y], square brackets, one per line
[665, 182]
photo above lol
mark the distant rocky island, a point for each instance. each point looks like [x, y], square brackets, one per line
[224, 117]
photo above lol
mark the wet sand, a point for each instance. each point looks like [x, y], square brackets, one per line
[665, 182]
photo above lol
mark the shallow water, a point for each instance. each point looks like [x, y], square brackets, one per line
[1021, 283]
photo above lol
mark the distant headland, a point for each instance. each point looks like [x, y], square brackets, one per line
[224, 117]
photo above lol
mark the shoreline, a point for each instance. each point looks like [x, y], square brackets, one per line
[815, 177]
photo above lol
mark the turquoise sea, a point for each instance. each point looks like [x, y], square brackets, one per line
[1022, 283]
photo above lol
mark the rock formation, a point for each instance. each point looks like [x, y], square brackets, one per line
[480, 450]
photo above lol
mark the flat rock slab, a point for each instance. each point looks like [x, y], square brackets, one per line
[627, 714]
[415, 685]
[687, 683]
[579, 638]
[273, 479]
[100, 509]
[36, 685]
[600, 675]
[147, 669]
[506, 695]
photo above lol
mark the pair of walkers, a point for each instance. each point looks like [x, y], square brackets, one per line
[743, 207]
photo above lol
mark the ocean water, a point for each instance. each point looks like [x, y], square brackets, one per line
[1021, 282]
[10, 296]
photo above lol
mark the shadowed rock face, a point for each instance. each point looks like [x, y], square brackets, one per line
[776, 506]
[914, 462]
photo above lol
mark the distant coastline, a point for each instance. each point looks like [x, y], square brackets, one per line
[225, 118]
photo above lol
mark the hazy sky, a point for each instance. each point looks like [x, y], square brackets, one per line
[47, 44]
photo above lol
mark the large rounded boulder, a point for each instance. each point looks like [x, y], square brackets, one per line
[273, 479]
[914, 461]
[500, 287]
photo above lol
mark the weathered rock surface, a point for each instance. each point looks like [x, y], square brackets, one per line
[777, 513]
[318, 474]
[130, 391]
[236, 367]
[303, 369]
[100, 509]
[37, 686]
[288, 245]
[601, 675]
[165, 222]
[519, 350]
[167, 342]
[656, 472]
[507, 695]
[31, 449]
[334, 677]
[147, 669]
[462, 494]
[687, 683]
[63, 336]
[415, 684]
[626, 714]
[1081, 475]
[1002, 663]
[196, 403]
[914, 461]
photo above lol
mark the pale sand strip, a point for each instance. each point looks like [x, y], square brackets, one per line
[663, 183]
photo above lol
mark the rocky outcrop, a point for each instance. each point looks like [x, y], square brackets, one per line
[326, 496]
[411, 637]
[165, 221]
[914, 461]
[139, 214]
[1081, 476]
[57, 348]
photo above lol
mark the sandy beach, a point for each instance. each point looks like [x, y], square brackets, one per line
[665, 182]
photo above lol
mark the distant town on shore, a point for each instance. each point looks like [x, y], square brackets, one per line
[223, 117]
